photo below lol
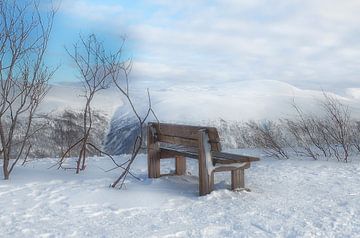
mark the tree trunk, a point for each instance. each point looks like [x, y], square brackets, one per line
[6, 171]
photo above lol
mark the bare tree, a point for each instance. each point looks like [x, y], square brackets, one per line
[24, 35]
[96, 67]
[98, 70]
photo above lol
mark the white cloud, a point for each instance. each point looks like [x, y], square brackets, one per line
[90, 11]
[309, 43]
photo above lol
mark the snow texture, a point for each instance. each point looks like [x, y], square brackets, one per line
[290, 198]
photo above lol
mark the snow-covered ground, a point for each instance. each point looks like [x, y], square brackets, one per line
[290, 198]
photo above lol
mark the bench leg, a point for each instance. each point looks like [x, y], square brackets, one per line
[204, 187]
[237, 179]
[153, 162]
[153, 154]
[153, 168]
[204, 178]
[211, 182]
[180, 165]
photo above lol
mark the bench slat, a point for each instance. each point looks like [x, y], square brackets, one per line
[229, 167]
[168, 152]
[177, 140]
[227, 158]
[183, 131]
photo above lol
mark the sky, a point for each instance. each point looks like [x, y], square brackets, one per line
[311, 44]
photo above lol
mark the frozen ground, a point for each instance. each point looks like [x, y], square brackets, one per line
[289, 199]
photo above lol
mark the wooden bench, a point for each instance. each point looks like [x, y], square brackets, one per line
[196, 142]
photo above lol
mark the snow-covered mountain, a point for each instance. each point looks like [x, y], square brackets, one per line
[209, 104]
[197, 101]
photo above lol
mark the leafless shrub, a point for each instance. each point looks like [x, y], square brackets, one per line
[336, 126]
[269, 136]
[329, 134]
[307, 134]
[355, 138]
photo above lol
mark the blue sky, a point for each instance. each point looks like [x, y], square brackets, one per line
[312, 44]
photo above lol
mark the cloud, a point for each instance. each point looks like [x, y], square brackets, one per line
[310, 44]
[90, 10]
[298, 42]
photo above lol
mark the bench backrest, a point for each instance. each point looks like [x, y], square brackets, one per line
[184, 135]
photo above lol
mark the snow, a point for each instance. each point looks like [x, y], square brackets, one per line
[292, 198]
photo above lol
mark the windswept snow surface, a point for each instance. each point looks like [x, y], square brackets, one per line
[290, 198]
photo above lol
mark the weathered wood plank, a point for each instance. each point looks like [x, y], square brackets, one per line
[178, 130]
[227, 158]
[177, 140]
[224, 168]
[171, 153]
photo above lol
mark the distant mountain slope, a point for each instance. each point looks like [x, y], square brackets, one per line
[209, 104]
[192, 103]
